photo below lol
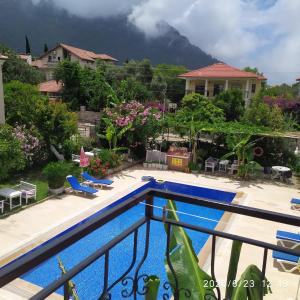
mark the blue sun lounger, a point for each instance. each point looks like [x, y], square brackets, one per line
[288, 262]
[295, 204]
[94, 181]
[288, 239]
[77, 187]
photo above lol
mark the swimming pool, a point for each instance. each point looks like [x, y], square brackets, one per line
[89, 282]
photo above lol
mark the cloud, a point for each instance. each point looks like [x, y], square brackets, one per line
[94, 8]
[260, 33]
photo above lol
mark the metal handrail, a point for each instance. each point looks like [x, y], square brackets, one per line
[44, 252]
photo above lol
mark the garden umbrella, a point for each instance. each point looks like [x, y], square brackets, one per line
[84, 160]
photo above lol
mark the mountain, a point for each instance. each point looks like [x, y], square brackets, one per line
[43, 23]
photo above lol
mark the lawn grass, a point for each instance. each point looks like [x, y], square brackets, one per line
[34, 177]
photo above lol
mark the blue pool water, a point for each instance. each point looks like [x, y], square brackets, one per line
[89, 283]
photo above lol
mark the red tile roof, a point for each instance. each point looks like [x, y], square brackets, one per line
[51, 86]
[83, 54]
[220, 70]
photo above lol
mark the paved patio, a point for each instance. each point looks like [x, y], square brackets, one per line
[30, 227]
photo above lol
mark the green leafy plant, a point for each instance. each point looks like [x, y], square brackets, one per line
[12, 158]
[113, 134]
[110, 157]
[193, 166]
[152, 287]
[71, 285]
[250, 285]
[185, 262]
[97, 167]
[242, 148]
[191, 277]
[56, 173]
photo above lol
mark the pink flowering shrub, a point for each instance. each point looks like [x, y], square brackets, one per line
[144, 120]
[31, 144]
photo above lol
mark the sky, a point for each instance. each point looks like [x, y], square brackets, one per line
[258, 33]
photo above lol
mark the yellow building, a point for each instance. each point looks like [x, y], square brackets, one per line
[212, 80]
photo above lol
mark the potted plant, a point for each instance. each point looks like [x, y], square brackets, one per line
[193, 167]
[56, 173]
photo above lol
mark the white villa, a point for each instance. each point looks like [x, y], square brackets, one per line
[211, 80]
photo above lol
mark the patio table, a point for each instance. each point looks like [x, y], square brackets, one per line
[10, 194]
[278, 170]
[223, 164]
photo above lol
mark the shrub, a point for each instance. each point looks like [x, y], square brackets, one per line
[12, 158]
[31, 144]
[110, 157]
[194, 166]
[74, 144]
[25, 106]
[56, 173]
[98, 168]
[232, 103]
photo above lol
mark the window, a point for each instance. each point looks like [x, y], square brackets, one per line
[253, 88]
[200, 89]
[218, 88]
[49, 58]
[58, 58]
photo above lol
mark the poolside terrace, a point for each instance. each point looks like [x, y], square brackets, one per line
[23, 231]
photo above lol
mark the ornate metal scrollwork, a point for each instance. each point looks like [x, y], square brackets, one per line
[126, 293]
[144, 289]
[168, 287]
[135, 287]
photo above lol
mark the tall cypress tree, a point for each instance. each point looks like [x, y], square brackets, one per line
[28, 48]
[45, 48]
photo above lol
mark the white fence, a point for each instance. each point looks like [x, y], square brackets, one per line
[156, 156]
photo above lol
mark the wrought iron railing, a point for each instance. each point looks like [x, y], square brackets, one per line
[136, 285]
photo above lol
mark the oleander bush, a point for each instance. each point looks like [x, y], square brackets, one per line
[12, 158]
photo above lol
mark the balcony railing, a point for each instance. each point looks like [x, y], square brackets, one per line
[135, 285]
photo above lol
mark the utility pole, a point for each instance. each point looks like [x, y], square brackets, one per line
[2, 109]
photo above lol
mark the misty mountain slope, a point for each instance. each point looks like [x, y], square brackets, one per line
[115, 35]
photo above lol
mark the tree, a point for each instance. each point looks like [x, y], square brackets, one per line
[232, 103]
[252, 70]
[131, 89]
[175, 86]
[95, 92]
[282, 90]
[22, 102]
[159, 87]
[12, 158]
[198, 108]
[84, 86]
[140, 70]
[28, 48]
[16, 69]
[261, 114]
[25, 106]
[46, 48]
[69, 73]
